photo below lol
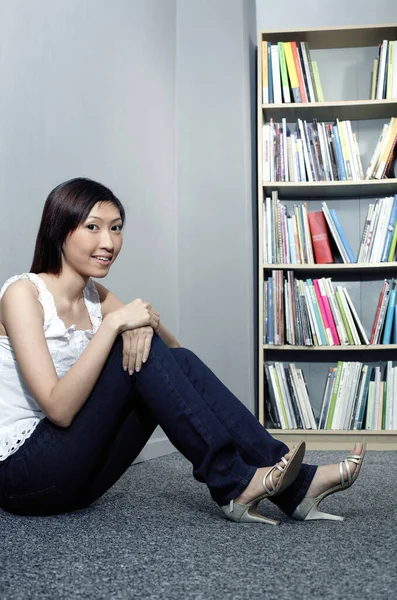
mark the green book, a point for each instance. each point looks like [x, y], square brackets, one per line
[384, 405]
[334, 394]
[317, 83]
[344, 319]
[392, 250]
[284, 74]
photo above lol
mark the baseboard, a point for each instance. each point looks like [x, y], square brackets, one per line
[154, 449]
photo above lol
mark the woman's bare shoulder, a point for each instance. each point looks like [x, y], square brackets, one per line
[18, 291]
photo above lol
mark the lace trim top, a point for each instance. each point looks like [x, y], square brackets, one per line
[19, 412]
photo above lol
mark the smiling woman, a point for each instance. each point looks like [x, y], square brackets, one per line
[86, 379]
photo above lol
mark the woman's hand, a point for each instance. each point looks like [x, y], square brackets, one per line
[136, 348]
[134, 315]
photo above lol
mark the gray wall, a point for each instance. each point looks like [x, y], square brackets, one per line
[152, 98]
[345, 74]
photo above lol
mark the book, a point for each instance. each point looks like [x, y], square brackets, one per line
[390, 314]
[342, 235]
[317, 82]
[292, 73]
[284, 74]
[265, 76]
[320, 240]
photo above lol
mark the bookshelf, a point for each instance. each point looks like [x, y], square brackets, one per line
[363, 39]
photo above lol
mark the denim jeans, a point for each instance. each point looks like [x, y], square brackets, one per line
[61, 469]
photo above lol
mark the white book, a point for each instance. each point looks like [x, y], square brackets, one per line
[352, 150]
[364, 239]
[269, 225]
[377, 399]
[394, 406]
[277, 94]
[302, 408]
[280, 405]
[305, 150]
[381, 71]
[264, 236]
[312, 316]
[340, 327]
[336, 419]
[389, 395]
[301, 160]
[376, 154]
[285, 148]
[292, 176]
[371, 233]
[304, 399]
[271, 150]
[358, 323]
[349, 317]
[380, 234]
[358, 157]
[394, 76]
[352, 393]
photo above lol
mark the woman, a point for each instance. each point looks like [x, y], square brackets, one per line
[85, 380]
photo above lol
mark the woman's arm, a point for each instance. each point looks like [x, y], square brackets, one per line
[110, 303]
[61, 400]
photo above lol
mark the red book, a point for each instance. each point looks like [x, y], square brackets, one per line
[381, 296]
[320, 239]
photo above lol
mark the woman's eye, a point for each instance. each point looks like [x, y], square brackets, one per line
[117, 227]
[92, 226]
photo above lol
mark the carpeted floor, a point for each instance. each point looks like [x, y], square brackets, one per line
[158, 535]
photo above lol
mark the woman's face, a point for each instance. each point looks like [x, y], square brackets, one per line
[95, 244]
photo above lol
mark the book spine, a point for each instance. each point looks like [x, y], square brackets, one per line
[317, 81]
[292, 73]
[309, 71]
[299, 73]
[270, 72]
[324, 313]
[389, 317]
[328, 311]
[265, 76]
[339, 154]
[284, 74]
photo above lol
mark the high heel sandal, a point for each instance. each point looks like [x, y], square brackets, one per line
[308, 508]
[247, 513]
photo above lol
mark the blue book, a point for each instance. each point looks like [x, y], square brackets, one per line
[270, 328]
[389, 316]
[270, 72]
[390, 229]
[394, 333]
[342, 235]
[339, 154]
[361, 409]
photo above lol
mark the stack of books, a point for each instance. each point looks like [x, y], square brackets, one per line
[313, 152]
[359, 396]
[381, 165]
[288, 403]
[384, 74]
[356, 396]
[289, 74]
[309, 312]
[303, 237]
[379, 237]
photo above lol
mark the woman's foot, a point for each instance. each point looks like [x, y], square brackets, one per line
[327, 480]
[255, 486]
[327, 476]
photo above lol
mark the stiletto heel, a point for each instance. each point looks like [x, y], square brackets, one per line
[307, 510]
[247, 513]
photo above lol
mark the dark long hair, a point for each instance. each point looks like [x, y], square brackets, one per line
[67, 206]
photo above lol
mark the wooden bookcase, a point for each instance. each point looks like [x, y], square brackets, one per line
[328, 39]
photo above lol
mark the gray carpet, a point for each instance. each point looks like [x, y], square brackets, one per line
[157, 534]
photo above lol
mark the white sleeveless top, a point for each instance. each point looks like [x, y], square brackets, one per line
[19, 412]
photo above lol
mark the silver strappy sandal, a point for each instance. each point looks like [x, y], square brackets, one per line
[247, 513]
[308, 508]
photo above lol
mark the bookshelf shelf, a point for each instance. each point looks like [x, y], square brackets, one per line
[353, 110]
[352, 348]
[334, 37]
[320, 439]
[331, 189]
[360, 267]
[362, 191]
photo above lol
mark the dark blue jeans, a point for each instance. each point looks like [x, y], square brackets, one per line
[61, 469]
